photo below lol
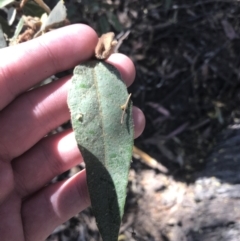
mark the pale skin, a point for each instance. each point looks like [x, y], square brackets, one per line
[29, 209]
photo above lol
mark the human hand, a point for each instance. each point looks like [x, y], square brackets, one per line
[30, 209]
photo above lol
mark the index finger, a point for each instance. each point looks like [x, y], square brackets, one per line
[24, 65]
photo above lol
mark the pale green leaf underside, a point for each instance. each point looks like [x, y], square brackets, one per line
[95, 98]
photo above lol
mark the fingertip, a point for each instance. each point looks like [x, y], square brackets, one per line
[124, 65]
[139, 121]
[76, 42]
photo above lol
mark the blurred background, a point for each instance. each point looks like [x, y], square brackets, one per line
[184, 178]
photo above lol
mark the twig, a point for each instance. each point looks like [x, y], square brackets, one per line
[148, 160]
[124, 107]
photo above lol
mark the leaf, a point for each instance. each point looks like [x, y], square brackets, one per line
[93, 5]
[103, 24]
[4, 3]
[113, 20]
[57, 15]
[5, 27]
[11, 15]
[33, 9]
[17, 31]
[95, 99]
[229, 30]
[3, 43]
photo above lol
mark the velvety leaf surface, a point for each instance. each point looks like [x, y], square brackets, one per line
[95, 99]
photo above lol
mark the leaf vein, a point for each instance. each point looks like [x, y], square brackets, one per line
[100, 113]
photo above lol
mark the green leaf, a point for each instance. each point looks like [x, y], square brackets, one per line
[57, 15]
[95, 99]
[5, 27]
[33, 9]
[11, 15]
[113, 20]
[92, 5]
[103, 25]
[17, 31]
[4, 3]
[3, 43]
